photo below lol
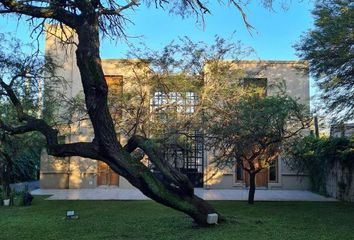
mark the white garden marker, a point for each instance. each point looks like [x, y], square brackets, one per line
[212, 218]
[6, 202]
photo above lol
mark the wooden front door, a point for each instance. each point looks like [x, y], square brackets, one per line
[261, 178]
[106, 176]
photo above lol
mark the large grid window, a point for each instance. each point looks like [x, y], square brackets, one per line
[180, 102]
[188, 157]
[186, 153]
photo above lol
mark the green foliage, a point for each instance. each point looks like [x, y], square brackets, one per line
[1, 196]
[180, 83]
[317, 156]
[251, 130]
[25, 151]
[25, 74]
[329, 48]
[16, 199]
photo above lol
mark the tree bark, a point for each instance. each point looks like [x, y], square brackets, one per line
[6, 169]
[175, 190]
[252, 189]
[95, 89]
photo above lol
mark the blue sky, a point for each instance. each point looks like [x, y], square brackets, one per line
[275, 31]
[274, 35]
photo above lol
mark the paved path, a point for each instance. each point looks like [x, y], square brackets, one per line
[25, 185]
[220, 194]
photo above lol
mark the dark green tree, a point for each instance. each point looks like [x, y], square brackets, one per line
[250, 131]
[25, 73]
[19, 159]
[329, 48]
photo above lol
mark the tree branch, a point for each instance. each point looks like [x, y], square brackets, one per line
[32, 124]
[172, 176]
[117, 11]
[58, 13]
[243, 14]
[82, 149]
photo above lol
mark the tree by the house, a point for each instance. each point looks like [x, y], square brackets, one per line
[169, 91]
[329, 48]
[248, 133]
[19, 159]
[25, 73]
[89, 19]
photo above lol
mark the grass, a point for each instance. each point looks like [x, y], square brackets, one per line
[148, 220]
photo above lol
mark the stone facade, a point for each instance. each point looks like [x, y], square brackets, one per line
[340, 180]
[75, 172]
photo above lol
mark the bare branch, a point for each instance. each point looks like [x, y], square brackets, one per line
[50, 11]
[117, 11]
[243, 14]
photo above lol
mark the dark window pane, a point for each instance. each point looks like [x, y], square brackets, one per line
[181, 102]
[256, 84]
[239, 173]
[273, 171]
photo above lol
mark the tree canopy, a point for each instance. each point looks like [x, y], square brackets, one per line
[248, 133]
[329, 48]
[20, 154]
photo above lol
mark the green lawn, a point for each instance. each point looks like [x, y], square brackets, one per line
[148, 220]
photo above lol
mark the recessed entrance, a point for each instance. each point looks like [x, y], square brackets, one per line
[261, 178]
[106, 176]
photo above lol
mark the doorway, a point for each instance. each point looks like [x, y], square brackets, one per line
[106, 176]
[261, 178]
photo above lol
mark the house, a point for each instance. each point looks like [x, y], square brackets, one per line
[77, 172]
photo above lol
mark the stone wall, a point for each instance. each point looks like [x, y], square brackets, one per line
[340, 182]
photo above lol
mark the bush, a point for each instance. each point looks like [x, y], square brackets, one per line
[317, 156]
[1, 197]
[17, 199]
[27, 198]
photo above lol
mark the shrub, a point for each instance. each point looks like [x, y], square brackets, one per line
[317, 156]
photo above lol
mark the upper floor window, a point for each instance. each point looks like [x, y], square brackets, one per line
[179, 102]
[257, 85]
[115, 85]
[239, 173]
[273, 171]
[115, 95]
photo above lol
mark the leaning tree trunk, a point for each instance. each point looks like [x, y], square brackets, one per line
[252, 189]
[174, 190]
